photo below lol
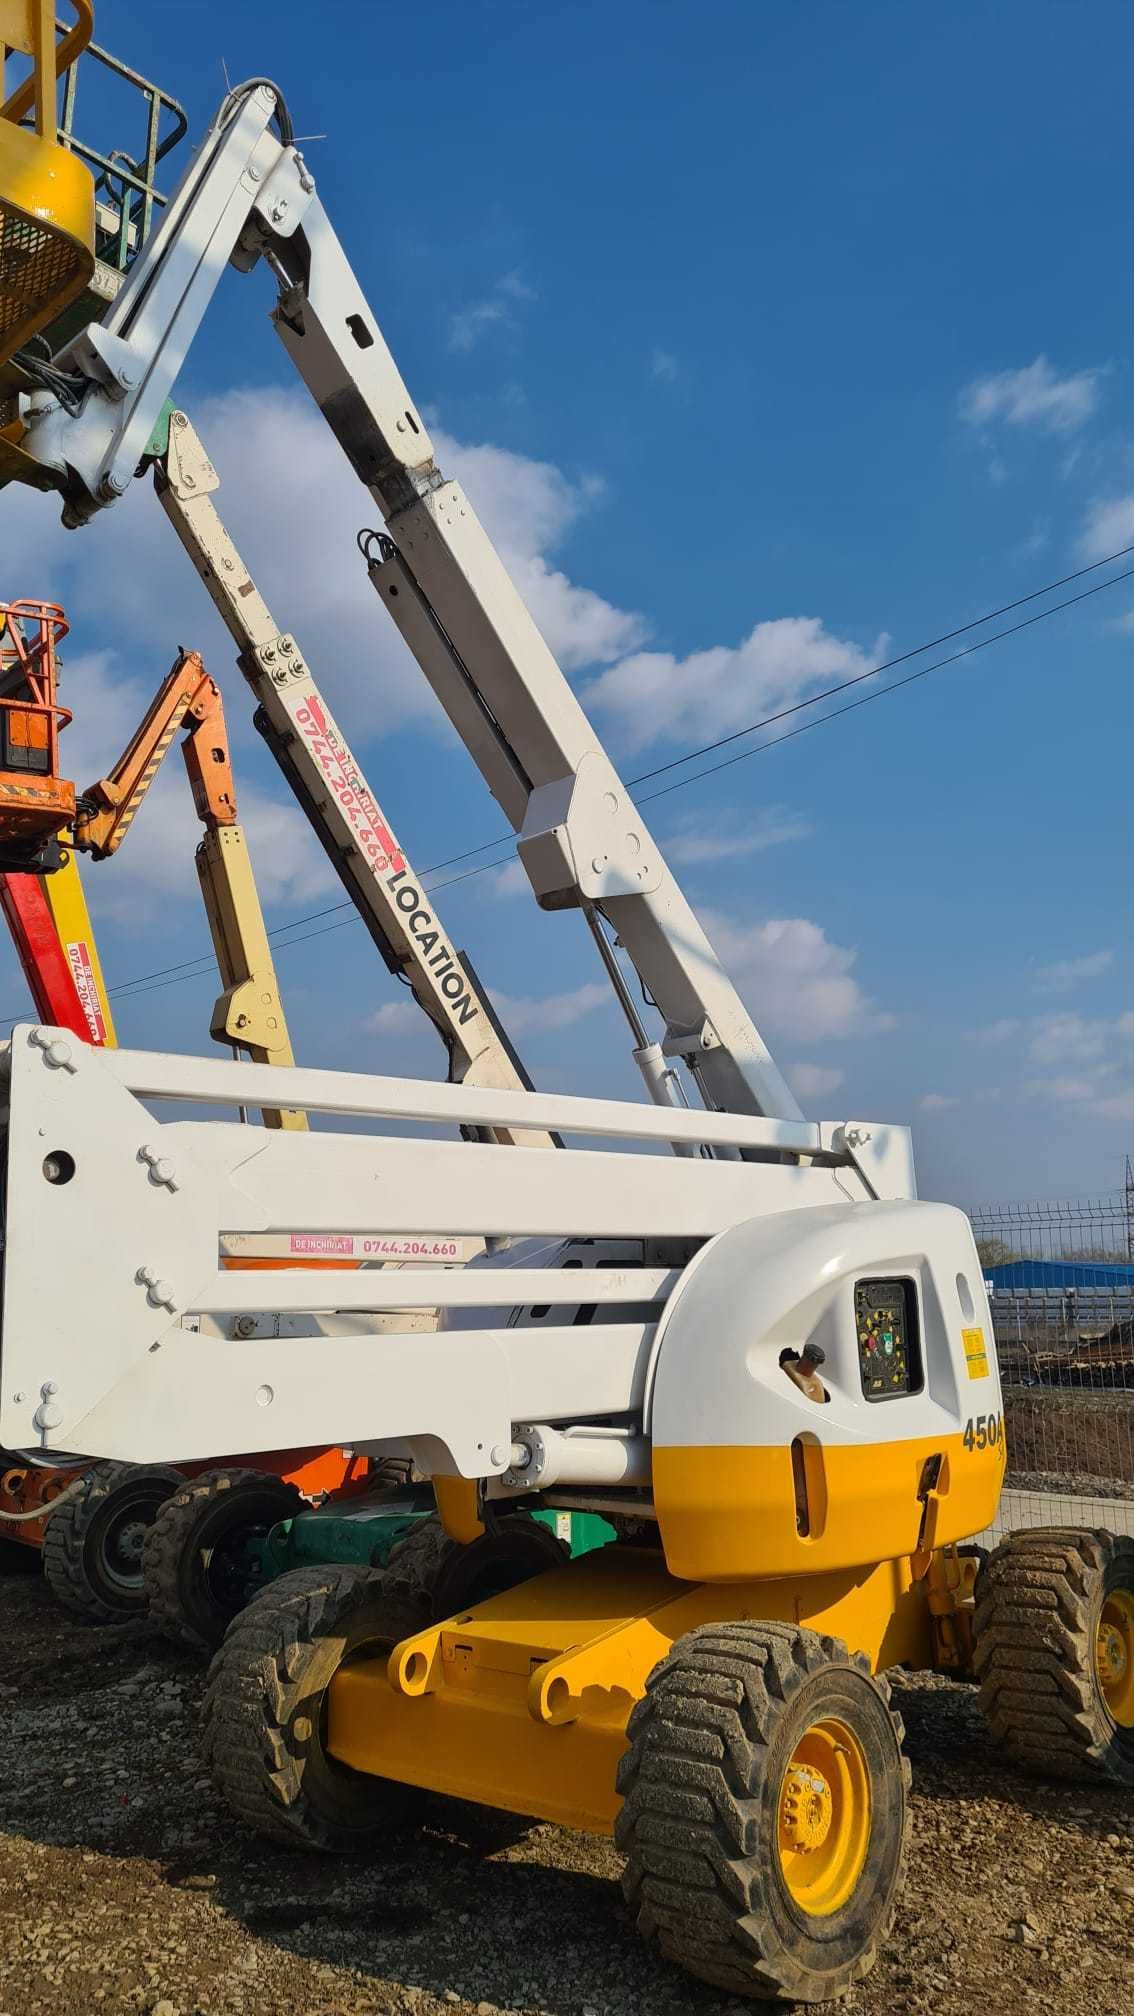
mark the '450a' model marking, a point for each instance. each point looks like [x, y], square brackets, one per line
[984, 1432]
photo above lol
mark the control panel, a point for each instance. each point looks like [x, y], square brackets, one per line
[889, 1358]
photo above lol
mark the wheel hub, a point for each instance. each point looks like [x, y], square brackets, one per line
[808, 1809]
[823, 1817]
[1114, 1656]
[131, 1541]
[1111, 1656]
[122, 1548]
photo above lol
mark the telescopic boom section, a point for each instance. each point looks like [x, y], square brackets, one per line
[581, 839]
[247, 195]
[325, 776]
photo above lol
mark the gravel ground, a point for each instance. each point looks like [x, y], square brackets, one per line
[1068, 1483]
[125, 1886]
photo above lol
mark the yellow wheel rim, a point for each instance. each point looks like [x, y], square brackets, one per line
[824, 1818]
[1114, 1656]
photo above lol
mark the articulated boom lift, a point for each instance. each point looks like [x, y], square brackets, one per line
[93, 1548]
[766, 1362]
[249, 1014]
[43, 824]
[46, 912]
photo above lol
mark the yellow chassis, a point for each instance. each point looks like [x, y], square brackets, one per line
[523, 1702]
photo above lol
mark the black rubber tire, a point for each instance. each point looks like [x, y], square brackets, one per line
[193, 1595]
[453, 1575]
[1039, 1601]
[263, 1731]
[92, 1546]
[710, 1744]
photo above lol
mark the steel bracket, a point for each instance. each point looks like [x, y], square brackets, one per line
[582, 837]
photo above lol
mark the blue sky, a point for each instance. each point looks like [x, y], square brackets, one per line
[765, 340]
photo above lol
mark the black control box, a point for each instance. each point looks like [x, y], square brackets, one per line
[889, 1345]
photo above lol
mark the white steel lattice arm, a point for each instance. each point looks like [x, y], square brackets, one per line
[581, 839]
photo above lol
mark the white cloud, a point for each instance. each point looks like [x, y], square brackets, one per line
[527, 508]
[1067, 1038]
[1084, 1061]
[1026, 549]
[1109, 527]
[1034, 396]
[394, 1018]
[581, 627]
[793, 978]
[655, 696]
[405, 1043]
[511, 880]
[813, 1081]
[1070, 1091]
[1091, 1091]
[290, 865]
[935, 1102]
[1065, 974]
[294, 507]
[695, 841]
[999, 1032]
[107, 703]
[525, 1016]
[664, 367]
[1120, 1106]
[495, 309]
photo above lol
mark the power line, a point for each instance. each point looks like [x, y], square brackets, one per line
[946, 637]
[136, 988]
[170, 976]
[842, 686]
[923, 672]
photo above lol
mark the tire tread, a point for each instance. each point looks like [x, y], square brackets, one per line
[688, 1822]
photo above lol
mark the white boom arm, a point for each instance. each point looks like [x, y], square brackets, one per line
[136, 1347]
[329, 783]
[249, 195]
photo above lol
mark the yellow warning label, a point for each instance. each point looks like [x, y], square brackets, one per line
[976, 1356]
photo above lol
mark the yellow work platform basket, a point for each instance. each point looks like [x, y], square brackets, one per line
[47, 214]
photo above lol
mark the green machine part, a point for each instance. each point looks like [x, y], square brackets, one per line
[365, 1531]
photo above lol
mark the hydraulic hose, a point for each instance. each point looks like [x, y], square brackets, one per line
[45, 1511]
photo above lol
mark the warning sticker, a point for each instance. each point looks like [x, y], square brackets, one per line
[976, 1353]
[86, 987]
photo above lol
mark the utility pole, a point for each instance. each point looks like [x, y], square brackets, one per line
[1129, 1209]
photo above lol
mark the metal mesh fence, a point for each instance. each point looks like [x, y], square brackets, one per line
[1082, 1230]
[1061, 1287]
